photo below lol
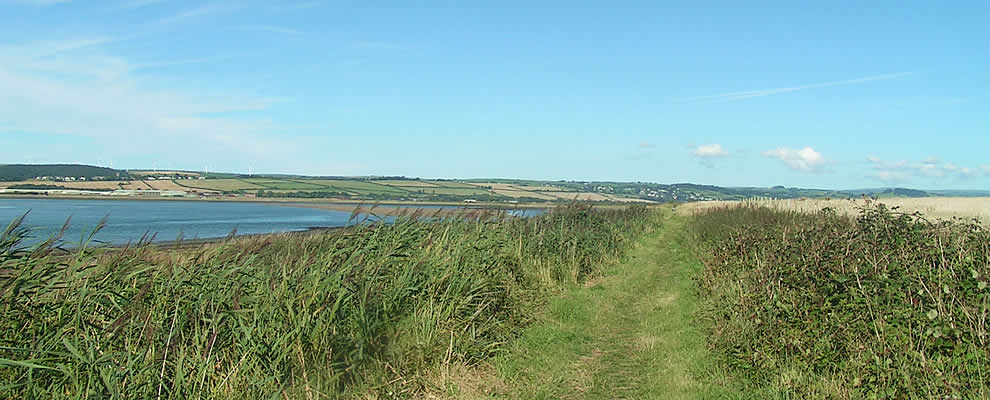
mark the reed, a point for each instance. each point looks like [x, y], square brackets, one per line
[359, 312]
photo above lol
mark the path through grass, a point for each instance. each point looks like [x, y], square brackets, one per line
[631, 335]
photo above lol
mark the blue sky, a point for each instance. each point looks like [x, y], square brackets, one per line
[833, 95]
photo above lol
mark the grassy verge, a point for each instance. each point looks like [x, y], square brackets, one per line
[629, 334]
[823, 306]
[358, 312]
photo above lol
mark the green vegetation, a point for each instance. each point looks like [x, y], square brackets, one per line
[23, 172]
[362, 187]
[38, 187]
[285, 184]
[630, 334]
[222, 185]
[300, 195]
[366, 311]
[885, 305]
[451, 191]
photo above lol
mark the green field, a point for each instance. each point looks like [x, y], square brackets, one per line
[222, 185]
[454, 184]
[287, 184]
[407, 183]
[364, 187]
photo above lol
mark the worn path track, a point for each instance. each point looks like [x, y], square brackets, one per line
[629, 335]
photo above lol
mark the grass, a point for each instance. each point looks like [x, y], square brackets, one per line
[287, 184]
[361, 312]
[407, 183]
[628, 334]
[223, 185]
[884, 305]
[363, 187]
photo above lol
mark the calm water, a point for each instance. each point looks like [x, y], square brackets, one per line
[129, 220]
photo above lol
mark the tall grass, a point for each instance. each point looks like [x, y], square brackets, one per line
[362, 311]
[883, 305]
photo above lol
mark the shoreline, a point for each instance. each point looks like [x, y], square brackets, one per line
[498, 205]
[192, 243]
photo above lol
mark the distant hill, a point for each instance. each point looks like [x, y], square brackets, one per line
[890, 192]
[375, 188]
[21, 172]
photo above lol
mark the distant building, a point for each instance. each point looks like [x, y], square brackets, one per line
[149, 193]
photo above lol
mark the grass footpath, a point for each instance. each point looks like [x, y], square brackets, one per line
[631, 334]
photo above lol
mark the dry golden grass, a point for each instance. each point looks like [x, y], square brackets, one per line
[166, 185]
[223, 185]
[931, 207]
[543, 188]
[136, 185]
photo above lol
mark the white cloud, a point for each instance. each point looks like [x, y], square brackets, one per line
[714, 150]
[806, 159]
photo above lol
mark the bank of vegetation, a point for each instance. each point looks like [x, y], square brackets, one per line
[882, 305]
[360, 312]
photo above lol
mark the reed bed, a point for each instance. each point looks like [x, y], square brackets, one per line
[820, 305]
[360, 312]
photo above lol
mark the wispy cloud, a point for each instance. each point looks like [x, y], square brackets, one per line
[97, 95]
[271, 29]
[35, 2]
[188, 61]
[806, 159]
[735, 96]
[140, 3]
[931, 168]
[192, 13]
[302, 5]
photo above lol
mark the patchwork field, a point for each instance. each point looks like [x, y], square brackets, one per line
[361, 186]
[165, 185]
[521, 193]
[397, 189]
[222, 185]
[279, 184]
[407, 183]
[583, 196]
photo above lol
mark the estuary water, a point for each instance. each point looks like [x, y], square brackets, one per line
[129, 220]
